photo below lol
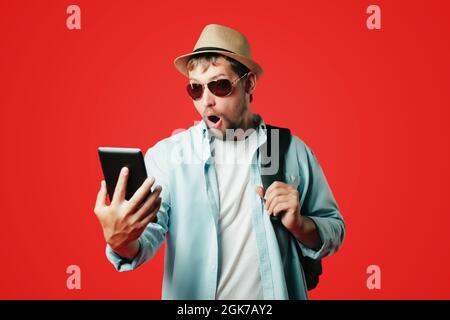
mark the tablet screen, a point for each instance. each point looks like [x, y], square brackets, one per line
[114, 159]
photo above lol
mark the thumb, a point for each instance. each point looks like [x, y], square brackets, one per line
[260, 191]
[101, 196]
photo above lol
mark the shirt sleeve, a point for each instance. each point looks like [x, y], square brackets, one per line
[155, 232]
[318, 203]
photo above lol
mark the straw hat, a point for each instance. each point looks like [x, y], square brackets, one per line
[223, 40]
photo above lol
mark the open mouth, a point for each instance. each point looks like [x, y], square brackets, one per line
[213, 119]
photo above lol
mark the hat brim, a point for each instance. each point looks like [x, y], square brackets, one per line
[181, 61]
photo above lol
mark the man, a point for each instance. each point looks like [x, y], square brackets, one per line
[209, 205]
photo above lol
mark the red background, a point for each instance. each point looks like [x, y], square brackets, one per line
[373, 105]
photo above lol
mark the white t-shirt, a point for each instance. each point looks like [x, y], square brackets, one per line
[239, 275]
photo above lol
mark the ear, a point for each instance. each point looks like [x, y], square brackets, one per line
[250, 83]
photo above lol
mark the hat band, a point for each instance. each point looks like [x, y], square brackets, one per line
[212, 48]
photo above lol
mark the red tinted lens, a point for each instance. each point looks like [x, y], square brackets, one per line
[220, 88]
[195, 90]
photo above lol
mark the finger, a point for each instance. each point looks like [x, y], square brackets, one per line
[101, 196]
[275, 193]
[274, 185]
[141, 193]
[149, 204]
[260, 191]
[281, 207]
[121, 186]
[149, 218]
[276, 201]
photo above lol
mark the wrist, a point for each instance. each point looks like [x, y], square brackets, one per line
[299, 227]
[128, 251]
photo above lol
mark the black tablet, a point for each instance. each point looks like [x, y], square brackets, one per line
[114, 159]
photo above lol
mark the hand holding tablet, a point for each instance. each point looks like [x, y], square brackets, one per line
[133, 204]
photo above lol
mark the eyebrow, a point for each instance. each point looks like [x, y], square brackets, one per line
[215, 77]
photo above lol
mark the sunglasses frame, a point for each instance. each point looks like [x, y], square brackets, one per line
[207, 85]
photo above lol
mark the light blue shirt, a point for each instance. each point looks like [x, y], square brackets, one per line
[188, 218]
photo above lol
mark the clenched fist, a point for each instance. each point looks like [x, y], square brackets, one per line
[282, 199]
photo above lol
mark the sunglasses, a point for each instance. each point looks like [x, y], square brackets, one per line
[219, 88]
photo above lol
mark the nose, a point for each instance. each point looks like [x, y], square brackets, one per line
[208, 99]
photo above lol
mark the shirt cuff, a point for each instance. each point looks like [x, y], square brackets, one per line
[124, 264]
[327, 241]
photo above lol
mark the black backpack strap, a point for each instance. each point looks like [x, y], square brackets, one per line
[312, 268]
[284, 139]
